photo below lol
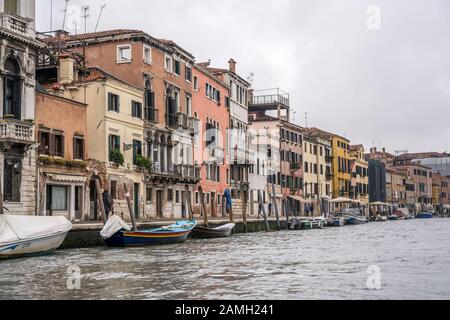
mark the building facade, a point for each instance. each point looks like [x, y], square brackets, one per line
[341, 165]
[237, 153]
[164, 73]
[211, 108]
[317, 185]
[61, 129]
[360, 175]
[18, 51]
[396, 188]
[377, 181]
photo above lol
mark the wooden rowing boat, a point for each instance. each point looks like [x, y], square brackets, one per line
[175, 233]
[209, 233]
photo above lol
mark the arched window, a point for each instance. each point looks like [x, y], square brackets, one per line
[12, 89]
[150, 110]
[171, 117]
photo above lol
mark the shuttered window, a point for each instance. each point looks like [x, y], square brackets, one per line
[113, 102]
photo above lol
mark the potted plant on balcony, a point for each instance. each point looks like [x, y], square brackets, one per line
[143, 163]
[117, 157]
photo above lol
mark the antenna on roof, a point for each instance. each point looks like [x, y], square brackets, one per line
[306, 119]
[99, 16]
[250, 78]
[65, 14]
[85, 16]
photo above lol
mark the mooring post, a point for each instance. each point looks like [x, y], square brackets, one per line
[275, 206]
[287, 207]
[100, 200]
[189, 203]
[261, 203]
[244, 209]
[130, 206]
[203, 207]
[1, 199]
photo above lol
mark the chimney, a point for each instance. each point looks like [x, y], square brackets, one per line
[66, 70]
[384, 150]
[232, 65]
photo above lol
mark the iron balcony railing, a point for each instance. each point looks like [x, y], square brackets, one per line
[271, 99]
[176, 171]
[17, 131]
[182, 120]
[151, 115]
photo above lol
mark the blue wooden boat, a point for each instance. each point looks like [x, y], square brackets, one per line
[175, 233]
[424, 215]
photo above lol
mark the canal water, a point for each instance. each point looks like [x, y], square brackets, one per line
[411, 260]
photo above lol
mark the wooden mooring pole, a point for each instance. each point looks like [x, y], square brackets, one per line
[203, 207]
[189, 203]
[261, 203]
[130, 206]
[2, 211]
[244, 209]
[100, 200]
[275, 206]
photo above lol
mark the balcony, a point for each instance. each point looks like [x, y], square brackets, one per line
[329, 159]
[188, 172]
[274, 96]
[14, 23]
[295, 166]
[240, 156]
[182, 120]
[193, 124]
[151, 115]
[175, 172]
[329, 176]
[16, 131]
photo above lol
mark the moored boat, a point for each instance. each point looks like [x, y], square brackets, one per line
[307, 223]
[336, 221]
[117, 233]
[354, 217]
[209, 233]
[424, 215]
[31, 235]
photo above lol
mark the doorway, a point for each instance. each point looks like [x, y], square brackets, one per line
[159, 204]
[78, 202]
[183, 204]
[93, 199]
[213, 204]
[136, 201]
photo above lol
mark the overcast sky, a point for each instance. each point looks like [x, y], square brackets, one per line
[384, 86]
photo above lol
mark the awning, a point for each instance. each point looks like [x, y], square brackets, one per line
[301, 199]
[66, 178]
[382, 204]
[342, 200]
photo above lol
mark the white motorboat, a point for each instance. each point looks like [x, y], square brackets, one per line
[31, 235]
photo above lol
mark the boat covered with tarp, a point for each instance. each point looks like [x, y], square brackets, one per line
[31, 235]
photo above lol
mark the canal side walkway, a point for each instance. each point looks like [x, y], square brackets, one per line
[87, 234]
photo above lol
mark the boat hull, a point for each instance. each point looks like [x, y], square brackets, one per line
[424, 215]
[139, 239]
[211, 233]
[338, 222]
[38, 246]
[355, 220]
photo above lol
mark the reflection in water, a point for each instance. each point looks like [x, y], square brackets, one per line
[414, 257]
